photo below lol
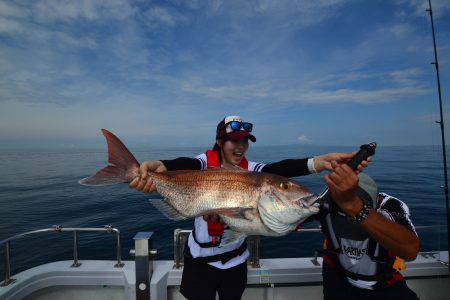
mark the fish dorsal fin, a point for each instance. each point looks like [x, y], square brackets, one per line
[167, 210]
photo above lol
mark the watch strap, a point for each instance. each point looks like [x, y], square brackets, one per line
[362, 215]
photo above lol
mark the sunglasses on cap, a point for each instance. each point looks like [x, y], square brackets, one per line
[237, 125]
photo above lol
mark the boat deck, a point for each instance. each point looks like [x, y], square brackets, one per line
[146, 278]
[282, 278]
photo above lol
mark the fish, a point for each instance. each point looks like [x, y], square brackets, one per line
[250, 203]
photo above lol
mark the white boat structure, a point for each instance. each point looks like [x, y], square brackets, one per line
[147, 278]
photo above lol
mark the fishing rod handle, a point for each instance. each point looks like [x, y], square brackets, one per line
[364, 152]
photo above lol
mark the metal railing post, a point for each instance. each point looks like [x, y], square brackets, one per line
[8, 278]
[176, 249]
[180, 237]
[76, 263]
[7, 263]
[315, 260]
[119, 263]
[143, 266]
[253, 247]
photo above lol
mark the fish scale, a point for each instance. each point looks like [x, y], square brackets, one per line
[212, 190]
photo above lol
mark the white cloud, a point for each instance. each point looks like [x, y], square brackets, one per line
[401, 30]
[160, 16]
[342, 78]
[10, 27]
[295, 13]
[236, 92]
[72, 41]
[397, 85]
[12, 10]
[411, 76]
[271, 12]
[439, 6]
[68, 11]
[215, 5]
[303, 139]
[362, 96]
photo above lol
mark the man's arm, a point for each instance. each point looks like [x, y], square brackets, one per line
[394, 237]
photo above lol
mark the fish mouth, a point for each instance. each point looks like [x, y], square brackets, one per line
[310, 202]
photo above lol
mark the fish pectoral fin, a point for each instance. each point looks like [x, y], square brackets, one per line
[235, 212]
[230, 236]
[167, 210]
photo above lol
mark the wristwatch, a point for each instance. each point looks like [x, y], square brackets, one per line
[362, 215]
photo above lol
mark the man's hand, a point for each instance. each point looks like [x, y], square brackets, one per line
[342, 182]
[323, 162]
[144, 183]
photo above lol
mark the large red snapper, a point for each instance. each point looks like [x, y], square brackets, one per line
[248, 202]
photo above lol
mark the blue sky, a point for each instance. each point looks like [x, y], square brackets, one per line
[163, 73]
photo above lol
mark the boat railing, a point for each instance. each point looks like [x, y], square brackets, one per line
[253, 245]
[180, 238]
[59, 228]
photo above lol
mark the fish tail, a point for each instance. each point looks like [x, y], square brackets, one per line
[124, 166]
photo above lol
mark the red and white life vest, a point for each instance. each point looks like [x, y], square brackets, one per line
[206, 237]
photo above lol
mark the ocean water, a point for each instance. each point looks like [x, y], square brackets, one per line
[39, 189]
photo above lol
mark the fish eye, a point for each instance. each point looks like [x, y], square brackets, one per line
[285, 185]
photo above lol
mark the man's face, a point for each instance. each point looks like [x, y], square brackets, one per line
[234, 151]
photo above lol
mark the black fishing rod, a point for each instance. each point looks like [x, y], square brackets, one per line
[441, 123]
[365, 151]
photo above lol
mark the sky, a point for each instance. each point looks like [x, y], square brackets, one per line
[164, 73]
